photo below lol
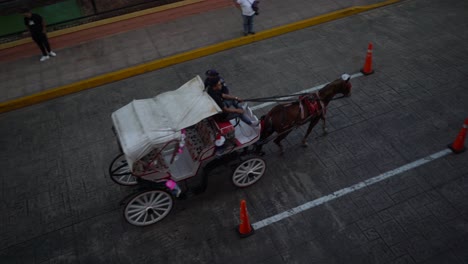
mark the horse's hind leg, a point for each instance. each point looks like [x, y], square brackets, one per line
[258, 149]
[312, 123]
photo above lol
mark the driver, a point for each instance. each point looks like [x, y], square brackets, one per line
[230, 110]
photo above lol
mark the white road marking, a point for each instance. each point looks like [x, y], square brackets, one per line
[355, 75]
[355, 187]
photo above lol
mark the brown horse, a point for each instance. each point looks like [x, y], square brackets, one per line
[283, 118]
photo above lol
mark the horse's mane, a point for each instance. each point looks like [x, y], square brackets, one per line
[327, 92]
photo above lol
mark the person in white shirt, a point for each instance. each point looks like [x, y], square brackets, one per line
[247, 14]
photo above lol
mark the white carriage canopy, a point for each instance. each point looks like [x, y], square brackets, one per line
[144, 125]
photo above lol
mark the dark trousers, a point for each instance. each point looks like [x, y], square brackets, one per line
[248, 23]
[42, 42]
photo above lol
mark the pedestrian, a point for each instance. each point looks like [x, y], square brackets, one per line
[247, 15]
[36, 26]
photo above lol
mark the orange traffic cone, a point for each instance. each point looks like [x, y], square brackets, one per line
[368, 64]
[245, 229]
[458, 145]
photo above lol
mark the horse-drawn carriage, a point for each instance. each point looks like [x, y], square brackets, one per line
[172, 137]
[175, 136]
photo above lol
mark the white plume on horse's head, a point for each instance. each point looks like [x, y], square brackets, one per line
[345, 76]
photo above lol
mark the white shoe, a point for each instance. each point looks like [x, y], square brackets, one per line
[43, 58]
[53, 54]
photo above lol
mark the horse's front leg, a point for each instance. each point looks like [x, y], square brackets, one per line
[279, 139]
[280, 148]
[324, 125]
[312, 123]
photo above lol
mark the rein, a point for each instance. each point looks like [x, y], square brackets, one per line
[277, 98]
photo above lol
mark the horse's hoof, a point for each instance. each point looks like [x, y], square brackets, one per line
[281, 151]
[305, 144]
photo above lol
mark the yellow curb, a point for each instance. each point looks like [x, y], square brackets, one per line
[103, 22]
[182, 57]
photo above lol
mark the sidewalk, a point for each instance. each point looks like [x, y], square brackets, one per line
[107, 48]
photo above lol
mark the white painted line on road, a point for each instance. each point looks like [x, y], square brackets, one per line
[355, 187]
[315, 88]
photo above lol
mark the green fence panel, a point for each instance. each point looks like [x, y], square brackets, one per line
[55, 13]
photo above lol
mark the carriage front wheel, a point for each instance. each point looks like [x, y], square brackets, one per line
[120, 172]
[148, 207]
[248, 172]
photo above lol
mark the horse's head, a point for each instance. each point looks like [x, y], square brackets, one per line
[339, 86]
[346, 85]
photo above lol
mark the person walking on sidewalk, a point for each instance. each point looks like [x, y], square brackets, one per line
[37, 28]
[247, 15]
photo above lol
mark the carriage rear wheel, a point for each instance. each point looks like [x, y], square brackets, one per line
[248, 172]
[120, 172]
[148, 207]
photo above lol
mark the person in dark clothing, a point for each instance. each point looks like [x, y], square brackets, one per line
[230, 111]
[36, 26]
[212, 74]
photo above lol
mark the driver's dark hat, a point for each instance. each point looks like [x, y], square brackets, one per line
[211, 73]
[213, 81]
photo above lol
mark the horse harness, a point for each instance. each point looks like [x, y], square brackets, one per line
[314, 105]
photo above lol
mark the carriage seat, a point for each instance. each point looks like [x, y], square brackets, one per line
[225, 128]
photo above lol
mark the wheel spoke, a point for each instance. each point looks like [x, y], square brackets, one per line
[161, 204]
[141, 200]
[146, 217]
[242, 170]
[142, 214]
[238, 176]
[136, 207]
[119, 168]
[151, 199]
[138, 214]
[245, 180]
[145, 198]
[120, 172]
[257, 166]
[123, 169]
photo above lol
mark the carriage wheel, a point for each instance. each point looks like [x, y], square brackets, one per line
[248, 172]
[148, 207]
[120, 172]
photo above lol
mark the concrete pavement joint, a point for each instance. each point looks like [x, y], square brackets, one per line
[183, 57]
[350, 189]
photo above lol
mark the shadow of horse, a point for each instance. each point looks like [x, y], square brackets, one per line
[310, 108]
